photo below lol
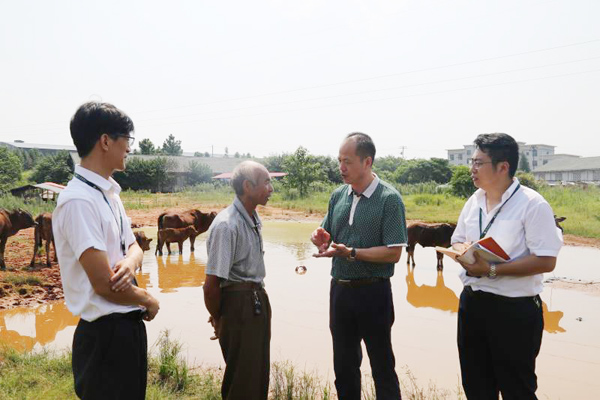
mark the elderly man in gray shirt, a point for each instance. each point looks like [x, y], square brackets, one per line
[233, 292]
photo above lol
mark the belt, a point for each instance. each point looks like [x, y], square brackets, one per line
[135, 315]
[482, 294]
[242, 287]
[356, 283]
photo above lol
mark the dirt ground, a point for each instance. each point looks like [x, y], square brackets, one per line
[43, 283]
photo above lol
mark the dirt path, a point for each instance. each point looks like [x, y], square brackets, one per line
[21, 286]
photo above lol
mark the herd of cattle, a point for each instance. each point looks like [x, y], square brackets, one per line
[177, 227]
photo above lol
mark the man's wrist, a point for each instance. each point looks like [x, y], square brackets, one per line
[492, 273]
[352, 255]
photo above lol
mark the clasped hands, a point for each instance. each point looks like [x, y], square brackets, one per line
[322, 239]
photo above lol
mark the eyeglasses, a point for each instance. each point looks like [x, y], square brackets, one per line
[476, 164]
[130, 139]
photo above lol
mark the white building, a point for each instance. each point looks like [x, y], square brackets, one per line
[569, 170]
[537, 154]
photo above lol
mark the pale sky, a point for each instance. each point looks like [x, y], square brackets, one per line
[265, 77]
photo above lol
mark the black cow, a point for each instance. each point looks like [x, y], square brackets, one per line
[429, 235]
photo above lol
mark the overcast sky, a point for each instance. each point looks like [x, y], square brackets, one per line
[265, 77]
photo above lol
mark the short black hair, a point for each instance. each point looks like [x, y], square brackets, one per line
[364, 145]
[500, 147]
[92, 120]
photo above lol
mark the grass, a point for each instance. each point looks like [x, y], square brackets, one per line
[34, 206]
[23, 284]
[47, 375]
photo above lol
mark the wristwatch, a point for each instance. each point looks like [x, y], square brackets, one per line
[492, 273]
[352, 256]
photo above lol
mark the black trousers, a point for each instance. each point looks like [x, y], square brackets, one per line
[245, 340]
[110, 359]
[499, 339]
[356, 314]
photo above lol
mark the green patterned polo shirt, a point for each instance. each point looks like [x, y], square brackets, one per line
[379, 220]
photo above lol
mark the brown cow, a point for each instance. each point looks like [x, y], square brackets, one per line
[196, 218]
[142, 240]
[43, 231]
[429, 235]
[12, 222]
[170, 235]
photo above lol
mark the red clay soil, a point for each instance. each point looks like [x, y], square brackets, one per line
[19, 251]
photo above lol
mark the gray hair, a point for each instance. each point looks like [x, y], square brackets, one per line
[246, 171]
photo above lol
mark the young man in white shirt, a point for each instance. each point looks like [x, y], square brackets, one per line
[500, 319]
[98, 256]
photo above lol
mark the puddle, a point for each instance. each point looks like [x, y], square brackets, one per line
[424, 334]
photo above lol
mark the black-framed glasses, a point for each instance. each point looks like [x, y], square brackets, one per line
[130, 139]
[476, 164]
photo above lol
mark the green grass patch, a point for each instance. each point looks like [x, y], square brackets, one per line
[20, 280]
[34, 206]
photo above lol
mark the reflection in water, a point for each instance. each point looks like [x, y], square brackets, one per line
[176, 274]
[143, 279]
[551, 320]
[443, 298]
[22, 328]
[438, 296]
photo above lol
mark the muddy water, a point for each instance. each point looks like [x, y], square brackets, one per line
[423, 335]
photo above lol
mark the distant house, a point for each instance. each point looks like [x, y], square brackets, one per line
[537, 154]
[46, 191]
[179, 166]
[45, 149]
[226, 176]
[570, 170]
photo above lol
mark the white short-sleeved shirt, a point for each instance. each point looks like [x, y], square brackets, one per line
[524, 226]
[82, 220]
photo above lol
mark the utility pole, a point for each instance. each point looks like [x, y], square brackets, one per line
[402, 148]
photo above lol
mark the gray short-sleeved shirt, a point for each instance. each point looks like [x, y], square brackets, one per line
[235, 246]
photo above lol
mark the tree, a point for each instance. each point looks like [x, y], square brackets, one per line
[198, 173]
[147, 147]
[172, 147]
[206, 154]
[226, 152]
[419, 171]
[198, 154]
[274, 163]
[236, 155]
[330, 168]
[302, 171]
[57, 168]
[10, 168]
[527, 179]
[141, 174]
[524, 163]
[461, 182]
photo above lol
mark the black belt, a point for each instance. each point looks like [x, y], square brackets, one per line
[482, 294]
[135, 315]
[356, 283]
[242, 287]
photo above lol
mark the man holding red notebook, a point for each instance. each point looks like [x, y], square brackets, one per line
[500, 319]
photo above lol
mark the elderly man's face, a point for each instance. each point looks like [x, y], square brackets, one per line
[262, 189]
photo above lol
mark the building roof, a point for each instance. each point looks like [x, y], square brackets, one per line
[228, 175]
[179, 164]
[23, 145]
[570, 164]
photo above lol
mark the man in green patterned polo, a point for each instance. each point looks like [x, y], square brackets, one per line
[363, 232]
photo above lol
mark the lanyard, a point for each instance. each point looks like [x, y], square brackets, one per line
[489, 225]
[94, 186]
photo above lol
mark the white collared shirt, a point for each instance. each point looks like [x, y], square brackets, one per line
[524, 226]
[82, 220]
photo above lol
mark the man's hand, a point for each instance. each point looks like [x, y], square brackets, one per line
[152, 308]
[479, 268]
[123, 277]
[336, 250]
[321, 238]
[216, 324]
